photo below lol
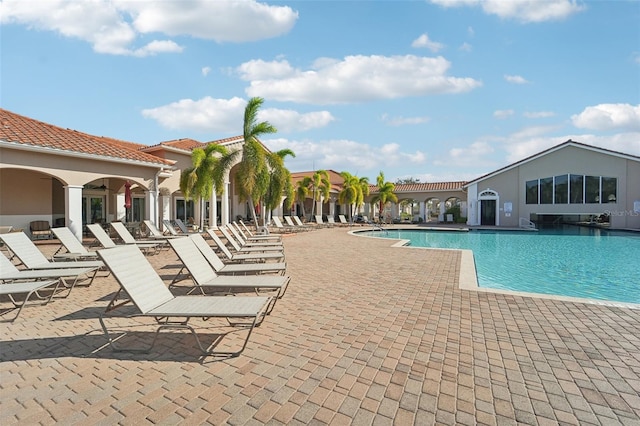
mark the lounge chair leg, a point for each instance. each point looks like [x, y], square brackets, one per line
[181, 325]
[21, 305]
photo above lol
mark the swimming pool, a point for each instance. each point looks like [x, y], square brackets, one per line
[576, 262]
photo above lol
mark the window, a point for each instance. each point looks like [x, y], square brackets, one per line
[138, 208]
[184, 209]
[573, 189]
[609, 193]
[592, 189]
[546, 190]
[561, 189]
[532, 191]
[576, 189]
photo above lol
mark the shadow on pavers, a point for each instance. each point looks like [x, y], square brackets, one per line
[178, 346]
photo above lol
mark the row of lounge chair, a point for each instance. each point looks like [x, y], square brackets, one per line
[258, 266]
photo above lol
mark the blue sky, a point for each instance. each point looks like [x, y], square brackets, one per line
[436, 90]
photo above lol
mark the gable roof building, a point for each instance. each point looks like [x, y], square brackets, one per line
[570, 182]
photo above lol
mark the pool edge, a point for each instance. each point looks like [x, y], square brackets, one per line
[467, 279]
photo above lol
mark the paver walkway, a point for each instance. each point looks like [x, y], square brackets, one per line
[366, 335]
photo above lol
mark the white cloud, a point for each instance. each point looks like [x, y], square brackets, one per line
[608, 117]
[112, 26]
[225, 115]
[538, 114]
[479, 153]
[289, 121]
[503, 114]
[342, 154]
[204, 115]
[471, 31]
[515, 79]
[206, 71]
[401, 121]
[465, 47]
[525, 143]
[354, 79]
[424, 41]
[258, 70]
[521, 10]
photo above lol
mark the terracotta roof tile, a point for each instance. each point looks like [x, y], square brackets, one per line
[186, 144]
[424, 187]
[22, 130]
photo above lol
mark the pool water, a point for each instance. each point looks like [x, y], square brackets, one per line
[574, 261]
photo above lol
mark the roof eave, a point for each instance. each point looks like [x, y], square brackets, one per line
[45, 150]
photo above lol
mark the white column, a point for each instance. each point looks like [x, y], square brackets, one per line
[442, 210]
[422, 215]
[151, 205]
[121, 211]
[224, 219]
[165, 202]
[73, 209]
[213, 210]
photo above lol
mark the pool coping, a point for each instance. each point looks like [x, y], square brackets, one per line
[468, 279]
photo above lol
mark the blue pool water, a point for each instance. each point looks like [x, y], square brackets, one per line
[577, 262]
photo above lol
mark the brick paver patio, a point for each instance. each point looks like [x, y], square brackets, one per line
[367, 334]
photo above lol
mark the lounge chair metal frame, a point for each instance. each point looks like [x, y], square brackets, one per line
[29, 288]
[238, 268]
[9, 273]
[74, 248]
[153, 299]
[245, 249]
[105, 240]
[127, 238]
[243, 257]
[204, 277]
[32, 258]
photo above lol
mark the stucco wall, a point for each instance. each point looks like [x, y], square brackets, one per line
[511, 184]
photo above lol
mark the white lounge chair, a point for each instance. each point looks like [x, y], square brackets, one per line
[247, 249]
[105, 240]
[153, 299]
[235, 268]
[205, 277]
[32, 258]
[343, 220]
[321, 222]
[301, 225]
[245, 243]
[171, 229]
[155, 233]
[235, 257]
[74, 248]
[28, 289]
[183, 228]
[69, 277]
[127, 238]
[250, 236]
[281, 227]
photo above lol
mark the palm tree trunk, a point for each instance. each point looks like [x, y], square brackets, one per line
[253, 213]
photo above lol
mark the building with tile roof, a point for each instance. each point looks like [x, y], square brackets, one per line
[69, 177]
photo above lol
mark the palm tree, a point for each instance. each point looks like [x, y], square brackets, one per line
[354, 189]
[199, 179]
[385, 194]
[302, 191]
[253, 175]
[279, 182]
[363, 183]
[321, 188]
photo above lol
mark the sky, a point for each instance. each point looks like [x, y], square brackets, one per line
[435, 90]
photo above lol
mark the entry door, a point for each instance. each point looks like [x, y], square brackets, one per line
[488, 212]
